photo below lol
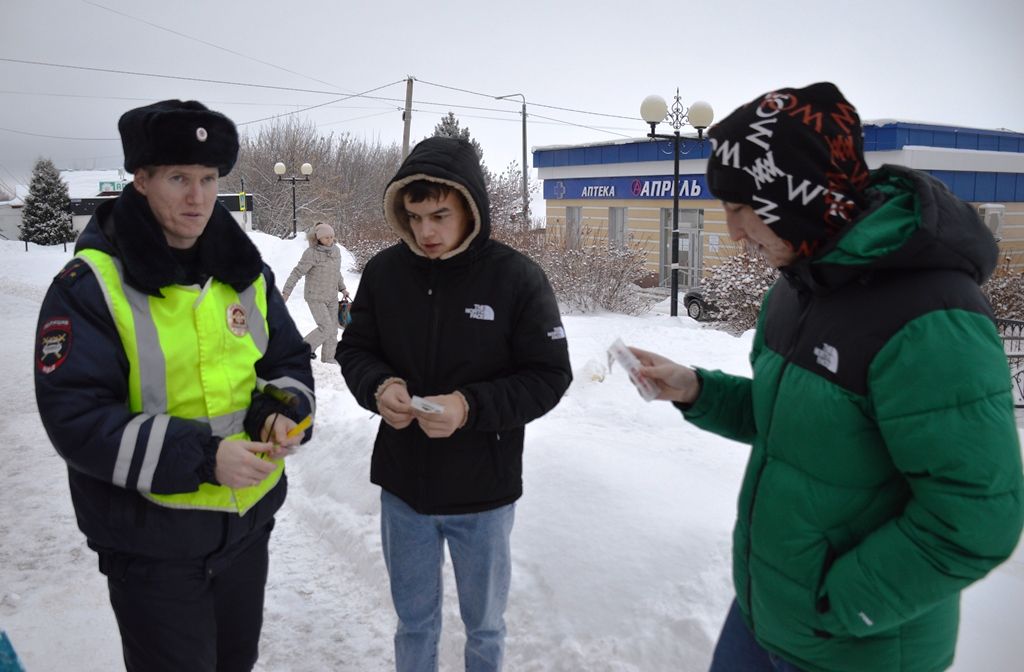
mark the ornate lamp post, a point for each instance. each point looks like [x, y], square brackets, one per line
[306, 171]
[654, 110]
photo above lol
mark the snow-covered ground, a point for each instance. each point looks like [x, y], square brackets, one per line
[621, 543]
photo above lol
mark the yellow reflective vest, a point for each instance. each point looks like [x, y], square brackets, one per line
[191, 354]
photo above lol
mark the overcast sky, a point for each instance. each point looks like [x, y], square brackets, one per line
[957, 62]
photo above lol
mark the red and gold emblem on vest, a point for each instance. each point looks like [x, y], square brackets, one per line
[54, 344]
[237, 321]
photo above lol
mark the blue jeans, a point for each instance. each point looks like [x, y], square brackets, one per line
[414, 554]
[738, 651]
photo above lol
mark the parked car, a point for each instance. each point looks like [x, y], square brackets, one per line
[697, 306]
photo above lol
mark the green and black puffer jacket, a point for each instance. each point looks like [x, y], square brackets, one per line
[885, 471]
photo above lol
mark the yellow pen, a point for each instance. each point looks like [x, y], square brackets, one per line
[301, 427]
[294, 431]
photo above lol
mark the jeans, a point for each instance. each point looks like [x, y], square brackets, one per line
[738, 651]
[414, 554]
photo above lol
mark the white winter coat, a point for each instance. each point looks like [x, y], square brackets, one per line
[322, 267]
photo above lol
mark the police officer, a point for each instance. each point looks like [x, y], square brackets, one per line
[168, 375]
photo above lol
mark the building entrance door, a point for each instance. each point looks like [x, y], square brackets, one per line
[691, 247]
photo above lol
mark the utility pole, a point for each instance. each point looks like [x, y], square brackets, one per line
[526, 193]
[407, 117]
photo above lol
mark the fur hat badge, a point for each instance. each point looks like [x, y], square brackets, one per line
[175, 132]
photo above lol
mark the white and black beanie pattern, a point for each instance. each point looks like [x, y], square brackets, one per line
[796, 156]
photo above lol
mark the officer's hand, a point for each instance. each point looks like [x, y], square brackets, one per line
[237, 464]
[275, 431]
[393, 406]
[675, 382]
[443, 425]
[285, 295]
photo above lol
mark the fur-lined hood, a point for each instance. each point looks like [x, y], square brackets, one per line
[450, 161]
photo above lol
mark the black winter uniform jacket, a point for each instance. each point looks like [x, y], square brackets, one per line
[483, 321]
[83, 402]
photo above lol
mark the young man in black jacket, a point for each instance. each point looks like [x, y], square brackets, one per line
[456, 340]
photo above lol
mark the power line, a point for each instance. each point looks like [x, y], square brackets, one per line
[320, 105]
[455, 88]
[296, 89]
[365, 116]
[7, 170]
[161, 76]
[592, 128]
[205, 100]
[569, 109]
[210, 44]
[313, 107]
[531, 103]
[56, 137]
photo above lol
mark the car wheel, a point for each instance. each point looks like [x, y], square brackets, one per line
[695, 309]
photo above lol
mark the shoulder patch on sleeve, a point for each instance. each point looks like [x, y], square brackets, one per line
[72, 272]
[54, 343]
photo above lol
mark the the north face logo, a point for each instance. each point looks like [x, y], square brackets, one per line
[556, 333]
[481, 312]
[828, 357]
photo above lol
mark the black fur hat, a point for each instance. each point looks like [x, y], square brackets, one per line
[175, 132]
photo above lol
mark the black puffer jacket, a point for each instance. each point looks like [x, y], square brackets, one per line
[483, 321]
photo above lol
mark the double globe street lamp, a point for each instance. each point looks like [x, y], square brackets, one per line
[306, 170]
[654, 110]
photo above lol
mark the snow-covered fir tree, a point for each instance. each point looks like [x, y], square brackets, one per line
[449, 128]
[503, 189]
[46, 217]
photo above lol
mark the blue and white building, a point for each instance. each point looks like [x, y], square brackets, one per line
[614, 192]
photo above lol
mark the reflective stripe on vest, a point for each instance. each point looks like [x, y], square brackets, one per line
[192, 355]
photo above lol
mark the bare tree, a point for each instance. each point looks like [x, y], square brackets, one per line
[348, 176]
[365, 170]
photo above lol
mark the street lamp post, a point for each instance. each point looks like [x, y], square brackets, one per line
[654, 110]
[306, 171]
[526, 195]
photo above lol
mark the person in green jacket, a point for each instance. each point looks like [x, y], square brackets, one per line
[885, 466]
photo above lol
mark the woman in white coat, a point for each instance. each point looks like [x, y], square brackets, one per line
[321, 264]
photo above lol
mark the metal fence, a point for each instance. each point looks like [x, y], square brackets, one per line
[1012, 333]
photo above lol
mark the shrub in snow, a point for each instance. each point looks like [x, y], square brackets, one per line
[363, 249]
[46, 218]
[586, 274]
[737, 286]
[1005, 291]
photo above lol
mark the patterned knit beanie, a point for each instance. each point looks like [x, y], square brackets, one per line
[797, 157]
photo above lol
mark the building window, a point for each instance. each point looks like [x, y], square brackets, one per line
[617, 228]
[572, 226]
